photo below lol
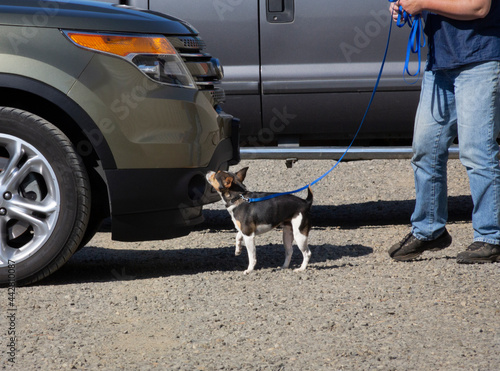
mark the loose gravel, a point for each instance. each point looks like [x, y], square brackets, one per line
[184, 304]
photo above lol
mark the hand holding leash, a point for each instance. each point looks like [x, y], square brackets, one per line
[400, 16]
[417, 38]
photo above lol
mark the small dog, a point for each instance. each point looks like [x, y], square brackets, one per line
[251, 219]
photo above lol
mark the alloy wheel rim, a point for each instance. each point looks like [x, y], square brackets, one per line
[29, 200]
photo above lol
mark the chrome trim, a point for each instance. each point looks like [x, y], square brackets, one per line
[219, 70]
[195, 55]
[330, 153]
[208, 83]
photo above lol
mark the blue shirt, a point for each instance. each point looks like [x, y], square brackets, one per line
[455, 43]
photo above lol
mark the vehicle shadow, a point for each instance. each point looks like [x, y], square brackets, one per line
[98, 264]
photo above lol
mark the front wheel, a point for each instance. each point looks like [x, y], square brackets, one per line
[44, 197]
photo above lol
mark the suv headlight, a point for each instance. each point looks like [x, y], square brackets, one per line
[151, 54]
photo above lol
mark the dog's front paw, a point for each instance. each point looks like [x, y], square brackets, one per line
[237, 251]
[248, 271]
[301, 269]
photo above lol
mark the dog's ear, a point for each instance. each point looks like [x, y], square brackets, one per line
[240, 175]
[227, 181]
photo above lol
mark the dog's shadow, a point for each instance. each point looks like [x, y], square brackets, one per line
[98, 264]
[272, 256]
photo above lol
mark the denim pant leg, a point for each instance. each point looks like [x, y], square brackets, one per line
[477, 94]
[434, 132]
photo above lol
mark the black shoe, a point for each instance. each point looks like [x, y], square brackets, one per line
[410, 247]
[480, 252]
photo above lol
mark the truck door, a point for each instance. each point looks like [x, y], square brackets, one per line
[230, 29]
[320, 60]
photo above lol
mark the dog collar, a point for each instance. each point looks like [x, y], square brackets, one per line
[234, 200]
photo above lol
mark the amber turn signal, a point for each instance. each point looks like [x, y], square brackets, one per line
[123, 45]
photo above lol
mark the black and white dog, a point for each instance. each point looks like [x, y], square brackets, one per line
[251, 219]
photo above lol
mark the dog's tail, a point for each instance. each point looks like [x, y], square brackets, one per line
[309, 198]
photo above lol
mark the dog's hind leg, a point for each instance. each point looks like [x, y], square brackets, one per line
[288, 244]
[252, 253]
[301, 240]
[306, 253]
[239, 239]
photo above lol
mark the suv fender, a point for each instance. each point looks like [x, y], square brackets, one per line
[20, 87]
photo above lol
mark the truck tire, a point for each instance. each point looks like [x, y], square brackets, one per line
[44, 198]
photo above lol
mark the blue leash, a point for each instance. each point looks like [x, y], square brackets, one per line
[416, 39]
[403, 18]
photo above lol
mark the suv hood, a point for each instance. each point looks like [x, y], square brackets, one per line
[90, 16]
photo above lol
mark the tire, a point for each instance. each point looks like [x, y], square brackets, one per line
[99, 207]
[44, 198]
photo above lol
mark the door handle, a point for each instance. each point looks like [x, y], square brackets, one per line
[280, 11]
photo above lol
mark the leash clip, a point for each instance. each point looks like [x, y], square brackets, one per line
[247, 200]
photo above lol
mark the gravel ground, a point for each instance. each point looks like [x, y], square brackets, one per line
[185, 304]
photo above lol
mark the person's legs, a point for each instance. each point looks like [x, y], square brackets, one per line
[435, 130]
[478, 110]
[464, 101]
[477, 90]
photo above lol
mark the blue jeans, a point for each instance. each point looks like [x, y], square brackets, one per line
[463, 102]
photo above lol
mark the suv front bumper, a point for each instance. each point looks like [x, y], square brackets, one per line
[154, 204]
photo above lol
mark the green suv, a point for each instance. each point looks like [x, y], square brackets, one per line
[105, 110]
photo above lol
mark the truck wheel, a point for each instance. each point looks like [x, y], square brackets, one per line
[44, 198]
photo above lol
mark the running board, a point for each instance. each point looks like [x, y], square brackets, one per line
[330, 153]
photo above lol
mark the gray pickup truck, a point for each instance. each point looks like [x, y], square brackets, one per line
[299, 74]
